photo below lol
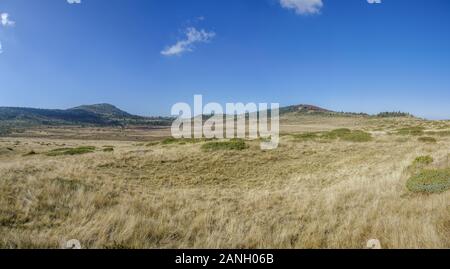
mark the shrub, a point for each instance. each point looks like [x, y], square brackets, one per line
[305, 136]
[234, 144]
[32, 152]
[357, 136]
[416, 130]
[424, 160]
[151, 144]
[343, 133]
[169, 141]
[439, 133]
[183, 141]
[335, 134]
[108, 149]
[427, 139]
[70, 151]
[430, 181]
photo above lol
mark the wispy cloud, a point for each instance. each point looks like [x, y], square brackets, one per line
[74, 1]
[193, 36]
[5, 21]
[303, 7]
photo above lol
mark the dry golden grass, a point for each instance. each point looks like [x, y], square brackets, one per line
[305, 194]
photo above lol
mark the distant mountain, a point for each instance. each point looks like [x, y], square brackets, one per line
[106, 110]
[109, 115]
[98, 115]
[304, 109]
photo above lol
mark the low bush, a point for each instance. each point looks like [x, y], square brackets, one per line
[151, 144]
[416, 130]
[305, 136]
[234, 144]
[31, 153]
[343, 134]
[430, 181]
[71, 151]
[427, 139]
[182, 141]
[424, 160]
[439, 133]
[357, 136]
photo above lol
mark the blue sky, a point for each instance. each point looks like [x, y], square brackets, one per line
[146, 55]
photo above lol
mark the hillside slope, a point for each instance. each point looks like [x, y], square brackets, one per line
[99, 114]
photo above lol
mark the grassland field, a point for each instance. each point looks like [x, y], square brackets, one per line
[334, 182]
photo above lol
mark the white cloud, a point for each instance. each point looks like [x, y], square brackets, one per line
[1, 48]
[74, 1]
[193, 36]
[303, 7]
[374, 1]
[5, 21]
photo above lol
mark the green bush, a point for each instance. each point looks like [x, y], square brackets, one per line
[439, 133]
[430, 181]
[31, 153]
[234, 144]
[357, 136]
[416, 130]
[151, 144]
[305, 136]
[335, 134]
[343, 134]
[169, 141]
[424, 160]
[182, 141]
[70, 151]
[427, 139]
[342, 131]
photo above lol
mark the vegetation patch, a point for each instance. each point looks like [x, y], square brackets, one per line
[182, 141]
[439, 133]
[416, 130]
[340, 132]
[430, 181]
[305, 136]
[169, 141]
[427, 139]
[31, 153]
[424, 160]
[108, 149]
[71, 151]
[234, 144]
[357, 136]
[343, 134]
[151, 144]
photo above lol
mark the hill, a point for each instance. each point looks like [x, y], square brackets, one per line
[109, 115]
[97, 115]
[106, 110]
[302, 108]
